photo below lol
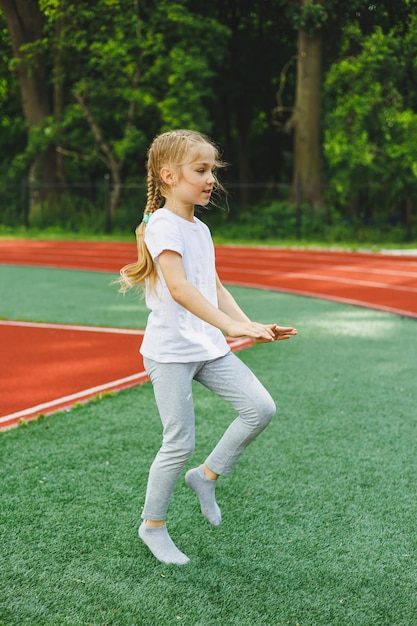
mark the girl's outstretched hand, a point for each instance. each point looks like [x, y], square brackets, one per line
[280, 332]
[260, 333]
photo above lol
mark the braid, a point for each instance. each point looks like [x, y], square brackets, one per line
[150, 194]
[153, 196]
[136, 273]
[157, 199]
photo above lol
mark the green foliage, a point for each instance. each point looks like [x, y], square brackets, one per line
[277, 220]
[39, 139]
[280, 221]
[371, 125]
[139, 67]
[142, 66]
[311, 18]
[64, 211]
[139, 72]
[12, 125]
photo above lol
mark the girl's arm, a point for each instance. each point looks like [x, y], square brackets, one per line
[228, 305]
[191, 299]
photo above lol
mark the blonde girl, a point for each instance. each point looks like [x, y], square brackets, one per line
[190, 311]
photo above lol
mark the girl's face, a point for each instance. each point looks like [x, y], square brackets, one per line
[195, 181]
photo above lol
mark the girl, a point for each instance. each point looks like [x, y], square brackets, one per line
[189, 309]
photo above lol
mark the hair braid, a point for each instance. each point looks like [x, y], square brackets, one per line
[153, 196]
[136, 273]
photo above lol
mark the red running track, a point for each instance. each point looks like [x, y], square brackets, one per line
[382, 281]
[46, 367]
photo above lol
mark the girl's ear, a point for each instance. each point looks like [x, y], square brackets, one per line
[168, 176]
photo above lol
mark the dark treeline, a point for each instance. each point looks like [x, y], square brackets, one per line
[314, 104]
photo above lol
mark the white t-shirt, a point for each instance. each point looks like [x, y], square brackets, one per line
[173, 334]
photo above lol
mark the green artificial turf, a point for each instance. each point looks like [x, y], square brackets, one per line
[318, 517]
[68, 297]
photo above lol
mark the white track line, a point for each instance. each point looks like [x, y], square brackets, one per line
[85, 394]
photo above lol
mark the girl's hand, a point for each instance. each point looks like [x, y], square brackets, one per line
[280, 332]
[261, 333]
[253, 330]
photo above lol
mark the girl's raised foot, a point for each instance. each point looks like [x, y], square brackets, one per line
[205, 490]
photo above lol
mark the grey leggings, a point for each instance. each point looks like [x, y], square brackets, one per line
[230, 379]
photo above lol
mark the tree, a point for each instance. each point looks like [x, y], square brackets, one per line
[307, 183]
[370, 131]
[25, 23]
[244, 87]
[13, 129]
[321, 25]
[98, 82]
[145, 70]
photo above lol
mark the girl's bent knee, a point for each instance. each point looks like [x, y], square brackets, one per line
[260, 413]
[267, 411]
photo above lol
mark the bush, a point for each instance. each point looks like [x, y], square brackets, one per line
[271, 221]
[71, 213]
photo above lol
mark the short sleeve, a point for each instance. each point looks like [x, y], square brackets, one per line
[162, 233]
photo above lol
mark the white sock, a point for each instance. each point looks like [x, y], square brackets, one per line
[205, 490]
[161, 545]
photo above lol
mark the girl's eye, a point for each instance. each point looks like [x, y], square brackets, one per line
[203, 170]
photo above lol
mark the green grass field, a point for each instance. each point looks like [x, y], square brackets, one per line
[319, 514]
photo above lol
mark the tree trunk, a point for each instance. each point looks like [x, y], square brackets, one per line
[306, 186]
[59, 92]
[24, 21]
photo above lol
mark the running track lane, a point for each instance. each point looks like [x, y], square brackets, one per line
[46, 367]
[378, 281]
[77, 358]
[50, 367]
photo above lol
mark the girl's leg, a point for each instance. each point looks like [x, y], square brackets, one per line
[172, 384]
[232, 380]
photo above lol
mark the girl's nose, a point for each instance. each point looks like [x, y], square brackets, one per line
[210, 178]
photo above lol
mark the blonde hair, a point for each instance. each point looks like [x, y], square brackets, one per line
[170, 149]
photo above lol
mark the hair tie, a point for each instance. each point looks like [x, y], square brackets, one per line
[146, 217]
